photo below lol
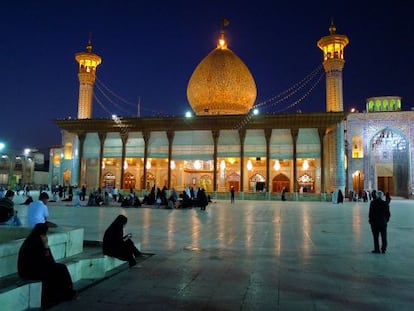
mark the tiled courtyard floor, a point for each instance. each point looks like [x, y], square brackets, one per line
[253, 255]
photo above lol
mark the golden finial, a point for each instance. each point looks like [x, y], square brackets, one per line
[222, 44]
[332, 28]
[89, 46]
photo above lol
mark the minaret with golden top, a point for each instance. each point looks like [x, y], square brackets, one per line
[88, 62]
[333, 47]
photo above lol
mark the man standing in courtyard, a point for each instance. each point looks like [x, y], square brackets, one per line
[379, 215]
[232, 194]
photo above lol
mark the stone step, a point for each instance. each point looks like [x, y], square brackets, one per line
[87, 269]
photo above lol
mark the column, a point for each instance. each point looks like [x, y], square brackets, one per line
[170, 136]
[102, 137]
[321, 132]
[268, 135]
[242, 136]
[216, 135]
[124, 138]
[81, 177]
[339, 168]
[294, 133]
[146, 136]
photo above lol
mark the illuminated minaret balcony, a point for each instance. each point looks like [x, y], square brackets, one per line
[333, 47]
[88, 63]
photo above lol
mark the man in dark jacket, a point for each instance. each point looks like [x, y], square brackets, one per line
[379, 215]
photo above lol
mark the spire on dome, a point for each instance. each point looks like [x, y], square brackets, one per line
[222, 43]
[89, 46]
[332, 28]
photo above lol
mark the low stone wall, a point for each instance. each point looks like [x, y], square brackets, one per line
[64, 242]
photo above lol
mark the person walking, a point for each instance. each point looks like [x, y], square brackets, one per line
[379, 215]
[201, 195]
[232, 194]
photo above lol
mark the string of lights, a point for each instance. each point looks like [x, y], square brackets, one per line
[283, 96]
[303, 96]
[291, 90]
[100, 83]
[111, 101]
[117, 120]
[102, 105]
[104, 89]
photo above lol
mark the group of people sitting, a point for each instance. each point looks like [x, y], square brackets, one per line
[197, 198]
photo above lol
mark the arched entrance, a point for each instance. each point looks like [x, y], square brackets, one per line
[279, 182]
[306, 183]
[390, 160]
[66, 177]
[108, 180]
[129, 181]
[257, 182]
[358, 181]
[150, 181]
[233, 180]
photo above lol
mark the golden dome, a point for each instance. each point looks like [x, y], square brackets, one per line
[221, 84]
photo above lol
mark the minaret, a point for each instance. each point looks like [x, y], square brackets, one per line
[333, 61]
[88, 62]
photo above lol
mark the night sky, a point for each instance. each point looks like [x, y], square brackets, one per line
[149, 50]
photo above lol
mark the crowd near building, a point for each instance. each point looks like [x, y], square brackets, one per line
[225, 145]
[22, 170]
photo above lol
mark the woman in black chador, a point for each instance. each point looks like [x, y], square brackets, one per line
[36, 262]
[118, 245]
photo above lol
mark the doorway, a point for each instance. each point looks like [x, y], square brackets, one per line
[386, 184]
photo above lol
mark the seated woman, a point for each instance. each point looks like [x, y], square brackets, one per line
[36, 262]
[118, 245]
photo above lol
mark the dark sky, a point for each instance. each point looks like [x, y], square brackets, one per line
[150, 49]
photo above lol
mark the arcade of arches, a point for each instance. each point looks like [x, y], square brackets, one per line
[199, 173]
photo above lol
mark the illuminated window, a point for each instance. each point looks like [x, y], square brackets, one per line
[357, 147]
[385, 105]
[392, 105]
[67, 153]
[371, 106]
[377, 105]
[56, 159]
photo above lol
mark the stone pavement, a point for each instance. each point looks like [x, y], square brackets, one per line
[253, 255]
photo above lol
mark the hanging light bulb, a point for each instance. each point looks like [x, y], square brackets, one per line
[249, 165]
[222, 165]
[148, 165]
[305, 165]
[103, 163]
[125, 164]
[197, 164]
[172, 164]
[277, 165]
